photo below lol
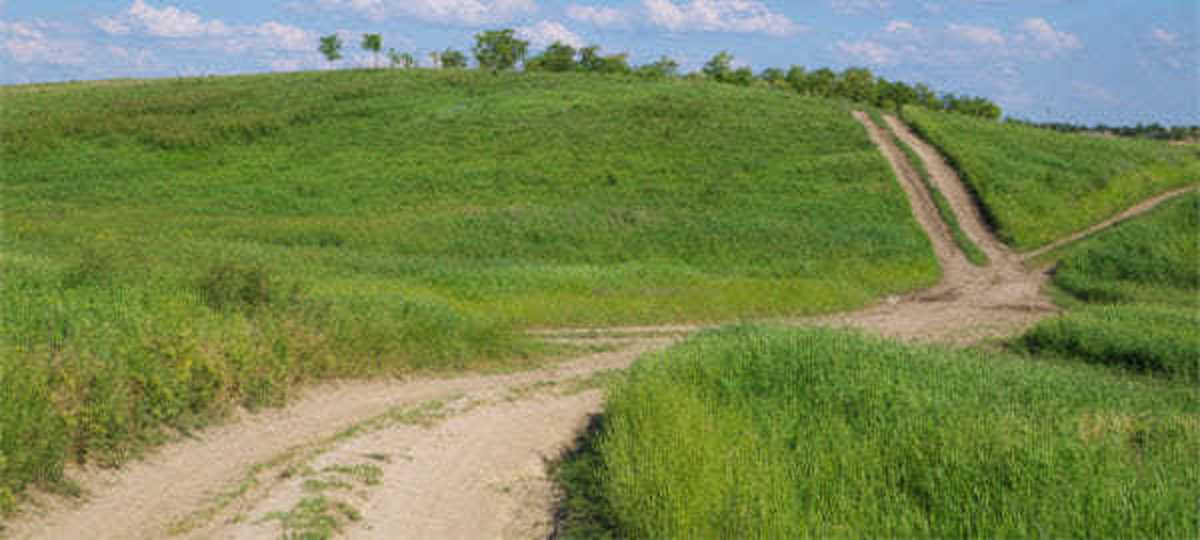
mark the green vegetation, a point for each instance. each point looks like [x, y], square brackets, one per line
[315, 518]
[1144, 276]
[1141, 337]
[754, 433]
[1036, 185]
[172, 249]
[1151, 259]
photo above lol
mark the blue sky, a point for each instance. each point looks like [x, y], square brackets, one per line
[1085, 61]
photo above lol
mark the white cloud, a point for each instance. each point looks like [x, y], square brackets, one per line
[546, 32]
[113, 26]
[27, 43]
[1094, 93]
[465, 12]
[854, 7]
[285, 36]
[741, 16]
[173, 22]
[191, 30]
[599, 16]
[979, 35]
[869, 52]
[1164, 37]
[897, 26]
[1050, 41]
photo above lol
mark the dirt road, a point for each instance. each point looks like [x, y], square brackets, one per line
[464, 457]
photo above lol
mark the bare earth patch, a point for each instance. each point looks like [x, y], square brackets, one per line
[465, 457]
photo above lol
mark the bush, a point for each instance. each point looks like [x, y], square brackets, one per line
[234, 287]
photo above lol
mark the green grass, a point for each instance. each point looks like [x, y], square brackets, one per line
[1037, 185]
[1142, 337]
[756, 433]
[1138, 285]
[172, 249]
[1154, 259]
[975, 255]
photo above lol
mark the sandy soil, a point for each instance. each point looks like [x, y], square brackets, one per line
[465, 457]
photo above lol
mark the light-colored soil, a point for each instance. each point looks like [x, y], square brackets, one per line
[465, 457]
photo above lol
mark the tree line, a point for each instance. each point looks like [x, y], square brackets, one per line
[502, 50]
[1146, 131]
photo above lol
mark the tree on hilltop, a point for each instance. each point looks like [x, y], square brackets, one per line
[372, 43]
[499, 50]
[452, 59]
[402, 59]
[331, 47]
[558, 57]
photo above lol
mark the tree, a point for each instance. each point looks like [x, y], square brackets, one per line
[773, 76]
[499, 50]
[743, 76]
[558, 57]
[402, 59]
[719, 66]
[435, 58]
[372, 43]
[662, 68]
[857, 84]
[821, 82]
[453, 59]
[797, 78]
[331, 47]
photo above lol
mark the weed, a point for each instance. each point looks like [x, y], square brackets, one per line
[315, 518]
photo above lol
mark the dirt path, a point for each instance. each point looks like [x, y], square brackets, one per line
[1137, 210]
[464, 457]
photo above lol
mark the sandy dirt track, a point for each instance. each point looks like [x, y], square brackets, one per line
[465, 457]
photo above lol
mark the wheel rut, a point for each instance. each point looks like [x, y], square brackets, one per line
[465, 457]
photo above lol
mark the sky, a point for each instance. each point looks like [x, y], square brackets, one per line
[1080, 61]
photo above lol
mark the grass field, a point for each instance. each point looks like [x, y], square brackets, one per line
[171, 249]
[1151, 259]
[1037, 185]
[758, 433]
[1140, 283]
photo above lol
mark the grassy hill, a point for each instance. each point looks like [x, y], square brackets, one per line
[1037, 185]
[172, 248]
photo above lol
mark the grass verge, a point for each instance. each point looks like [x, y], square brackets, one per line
[761, 433]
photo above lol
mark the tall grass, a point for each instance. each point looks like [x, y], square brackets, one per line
[1155, 258]
[1141, 337]
[755, 433]
[1038, 185]
[1143, 279]
[172, 249]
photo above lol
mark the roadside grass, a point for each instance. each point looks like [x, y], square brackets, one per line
[759, 433]
[974, 255]
[1136, 291]
[174, 249]
[1146, 338]
[1152, 259]
[1037, 185]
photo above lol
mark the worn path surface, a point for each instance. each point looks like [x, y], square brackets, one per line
[464, 457]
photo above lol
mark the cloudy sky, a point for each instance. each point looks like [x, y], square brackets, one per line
[1086, 61]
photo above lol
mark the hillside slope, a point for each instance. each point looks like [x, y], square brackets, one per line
[173, 249]
[1038, 185]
